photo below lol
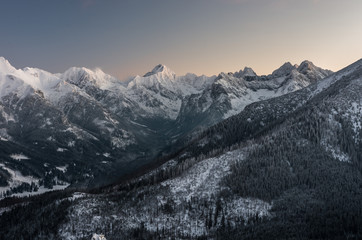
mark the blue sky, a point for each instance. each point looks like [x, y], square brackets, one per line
[201, 36]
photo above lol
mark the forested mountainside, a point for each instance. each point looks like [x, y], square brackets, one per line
[84, 128]
[283, 168]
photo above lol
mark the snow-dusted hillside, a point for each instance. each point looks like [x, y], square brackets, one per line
[171, 207]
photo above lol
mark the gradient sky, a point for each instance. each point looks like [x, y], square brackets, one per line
[129, 37]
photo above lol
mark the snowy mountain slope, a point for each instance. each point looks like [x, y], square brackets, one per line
[83, 77]
[37, 129]
[30, 80]
[251, 88]
[42, 113]
[259, 116]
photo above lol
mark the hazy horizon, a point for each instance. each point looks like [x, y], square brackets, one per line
[128, 38]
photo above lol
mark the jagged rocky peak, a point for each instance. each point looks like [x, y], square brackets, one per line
[247, 72]
[306, 66]
[285, 69]
[223, 75]
[161, 69]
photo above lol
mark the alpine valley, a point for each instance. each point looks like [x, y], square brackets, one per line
[233, 156]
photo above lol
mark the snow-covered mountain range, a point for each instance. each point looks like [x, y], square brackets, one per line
[282, 167]
[75, 126]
